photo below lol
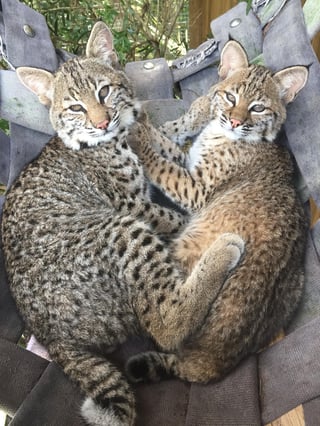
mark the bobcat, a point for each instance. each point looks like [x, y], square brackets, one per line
[84, 245]
[234, 178]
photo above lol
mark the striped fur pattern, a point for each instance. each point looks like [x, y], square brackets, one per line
[84, 245]
[234, 178]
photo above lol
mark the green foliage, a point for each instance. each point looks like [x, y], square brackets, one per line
[249, 4]
[4, 126]
[141, 28]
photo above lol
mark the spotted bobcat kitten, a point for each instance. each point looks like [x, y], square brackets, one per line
[234, 179]
[86, 262]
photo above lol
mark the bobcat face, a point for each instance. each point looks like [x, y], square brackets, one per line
[247, 106]
[90, 101]
[89, 111]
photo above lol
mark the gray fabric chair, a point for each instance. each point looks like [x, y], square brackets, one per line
[263, 387]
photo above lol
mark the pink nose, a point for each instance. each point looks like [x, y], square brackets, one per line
[103, 124]
[235, 122]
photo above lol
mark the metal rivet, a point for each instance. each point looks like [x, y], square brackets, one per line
[29, 31]
[148, 66]
[235, 22]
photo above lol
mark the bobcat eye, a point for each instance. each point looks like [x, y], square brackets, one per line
[103, 93]
[231, 98]
[77, 108]
[258, 108]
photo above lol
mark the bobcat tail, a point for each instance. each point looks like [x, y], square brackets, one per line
[109, 399]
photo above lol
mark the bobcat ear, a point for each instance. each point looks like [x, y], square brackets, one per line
[291, 80]
[233, 57]
[100, 44]
[38, 81]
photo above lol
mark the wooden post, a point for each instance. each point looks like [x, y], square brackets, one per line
[201, 13]
[312, 12]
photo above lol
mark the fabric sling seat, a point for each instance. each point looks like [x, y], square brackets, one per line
[264, 386]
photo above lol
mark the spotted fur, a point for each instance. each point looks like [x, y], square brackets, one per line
[235, 178]
[83, 243]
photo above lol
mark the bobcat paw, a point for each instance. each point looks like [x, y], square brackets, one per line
[169, 130]
[137, 138]
[232, 247]
[146, 367]
[137, 369]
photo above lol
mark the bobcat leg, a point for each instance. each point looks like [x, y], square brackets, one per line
[142, 134]
[152, 366]
[189, 124]
[176, 314]
[164, 220]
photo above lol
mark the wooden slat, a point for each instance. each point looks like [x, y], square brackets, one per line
[292, 418]
[314, 212]
[201, 13]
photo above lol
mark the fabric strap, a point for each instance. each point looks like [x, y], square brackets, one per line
[232, 401]
[290, 371]
[11, 325]
[4, 157]
[24, 26]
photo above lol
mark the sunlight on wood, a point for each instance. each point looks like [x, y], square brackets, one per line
[277, 339]
[2, 418]
[201, 13]
[292, 418]
[315, 212]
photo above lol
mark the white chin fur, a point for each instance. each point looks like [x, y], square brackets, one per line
[214, 128]
[69, 143]
[75, 143]
[98, 416]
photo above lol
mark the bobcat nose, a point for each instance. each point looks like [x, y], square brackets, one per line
[103, 124]
[235, 122]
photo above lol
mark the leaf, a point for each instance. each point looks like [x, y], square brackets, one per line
[249, 4]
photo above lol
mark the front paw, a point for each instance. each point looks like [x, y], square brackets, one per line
[136, 138]
[133, 143]
[173, 135]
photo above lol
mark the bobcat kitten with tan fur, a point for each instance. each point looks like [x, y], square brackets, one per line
[235, 178]
[83, 244]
